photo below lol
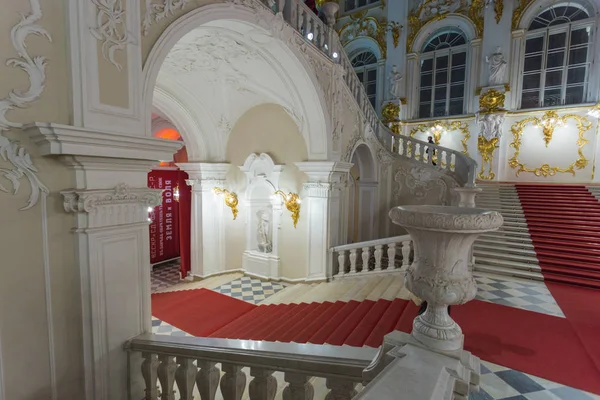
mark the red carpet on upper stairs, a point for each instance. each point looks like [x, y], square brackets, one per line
[564, 225]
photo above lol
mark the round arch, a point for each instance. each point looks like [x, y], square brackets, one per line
[365, 158]
[537, 7]
[286, 59]
[363, 194]
[455, 20]
[360, 44]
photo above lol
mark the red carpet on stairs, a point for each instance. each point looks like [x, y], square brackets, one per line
[199, 312]
[563, 350]
[564, 225]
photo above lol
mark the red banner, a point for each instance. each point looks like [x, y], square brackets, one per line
[164, 228]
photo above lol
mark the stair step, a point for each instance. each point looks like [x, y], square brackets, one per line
[508, 239]
[592, 243]
[569, 264]
[492, 261]
[594, 275]
[500, 270]
[380, 289]
[575, 281]
[504, 245]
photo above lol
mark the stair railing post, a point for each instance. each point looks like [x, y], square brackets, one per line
[233, 383]
[150, 375]
[365, 255]
[378, 255]
[391, 254]
[207, 379]
[405, 255]
[341, 262]
[353, 257]
[263, 386]
[298, 388]
[166, 376]
[185, 377]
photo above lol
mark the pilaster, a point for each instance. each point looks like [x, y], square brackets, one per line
[110, 201]
[208, 213]
[323, 203]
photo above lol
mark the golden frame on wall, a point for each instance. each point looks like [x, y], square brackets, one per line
[545, 170]
[448, 127]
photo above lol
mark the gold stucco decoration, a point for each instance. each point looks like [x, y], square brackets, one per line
[545, 170]
[486, 149]
[491, 101]
[519, 11]
[419, 17]
[499, 10]
[360, 25]
[390, 116]
[292, 203]
[445, 126]
[231, 200]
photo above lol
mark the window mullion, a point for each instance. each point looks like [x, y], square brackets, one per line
[448, 83]
[543, 69]
[433, 73]
[566, 61]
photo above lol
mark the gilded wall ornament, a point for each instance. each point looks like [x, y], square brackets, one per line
[35, 68]
[583, 125]
[394, 27]
[519, 11]
[230, 198]
[491, 101]
[434, 10]
[390, 116]
[445, 126]
[486, 149]
[499, 9]
[362, 26]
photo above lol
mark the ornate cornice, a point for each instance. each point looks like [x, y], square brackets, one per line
[35, 68]
[89, 201]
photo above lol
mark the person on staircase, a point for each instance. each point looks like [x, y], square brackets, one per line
[430, 140]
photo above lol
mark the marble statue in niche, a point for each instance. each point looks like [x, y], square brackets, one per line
[395, 79]
[263, 231]
[497, 65]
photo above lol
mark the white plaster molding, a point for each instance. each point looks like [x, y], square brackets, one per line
[55, 139]
[164, 9]
[35, 68]
[111, 29]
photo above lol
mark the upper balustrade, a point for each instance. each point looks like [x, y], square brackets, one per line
[325, 38]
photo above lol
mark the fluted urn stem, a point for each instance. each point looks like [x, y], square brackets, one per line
[442, 237]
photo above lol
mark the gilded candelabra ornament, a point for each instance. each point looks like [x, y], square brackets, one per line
[292, 203]
[583, 125]
[549, 122]
[437, 128]
[231, 200]
[491, 101]
[390, 114]
[486, 149]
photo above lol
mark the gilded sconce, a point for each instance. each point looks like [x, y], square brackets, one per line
[550, 121]
[292, 203]
[231, 200]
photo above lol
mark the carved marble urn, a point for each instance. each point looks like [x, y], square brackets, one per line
[442, 237]
[329, 9]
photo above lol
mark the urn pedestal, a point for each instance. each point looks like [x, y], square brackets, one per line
[442, 237]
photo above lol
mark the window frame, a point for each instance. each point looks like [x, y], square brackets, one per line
[365, 69]
[433, 55]
[545, 33]
[370, 3]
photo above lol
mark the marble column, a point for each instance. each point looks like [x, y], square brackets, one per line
[321, 206]
[208, 217]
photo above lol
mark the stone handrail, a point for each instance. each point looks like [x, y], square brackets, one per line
[301, 18]
[371, 257]
[189, 363]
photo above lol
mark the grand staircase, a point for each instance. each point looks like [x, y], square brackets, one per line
[509, 250]
[551, 232]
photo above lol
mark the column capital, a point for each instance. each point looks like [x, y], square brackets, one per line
[324, 171]
[110, 207]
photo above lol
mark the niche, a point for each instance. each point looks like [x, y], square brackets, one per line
[263, 213]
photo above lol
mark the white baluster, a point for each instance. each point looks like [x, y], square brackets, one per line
[340, 389]
[166, 376]
[263, 386]
[185, 377]
[341, 262]
[405, 254]
[378, 254]
[298, 388]
[233, 382]
[366, 253]
[391, 253]
[150, 374]
[353, 260]
[207, 379]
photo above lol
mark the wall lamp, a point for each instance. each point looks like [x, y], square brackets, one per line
[292, 203]
[176, 193]
[595, 111]
[231, 199]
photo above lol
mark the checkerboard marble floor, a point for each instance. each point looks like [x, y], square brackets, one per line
[528, 295]
[164, 275]
[497, 382]
[250, 289]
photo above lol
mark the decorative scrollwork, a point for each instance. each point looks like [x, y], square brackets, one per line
[35, 68]
[390, 116]
[111, 29]
[157, 12]
[361, 25]
[486, 149]
[491, 101]
[583, 125]
[498, 9]
[447, 126]
[519, 11]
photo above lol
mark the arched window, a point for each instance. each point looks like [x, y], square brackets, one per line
[365, 65]
[557, 57]
[443, 72]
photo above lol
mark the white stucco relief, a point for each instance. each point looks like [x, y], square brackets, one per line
[157, 11]
[111, 29]
[35, 68]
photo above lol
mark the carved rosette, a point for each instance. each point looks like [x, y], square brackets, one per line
[442, 237]
[107, 207]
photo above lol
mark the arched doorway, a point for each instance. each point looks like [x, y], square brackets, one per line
[362, 196]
